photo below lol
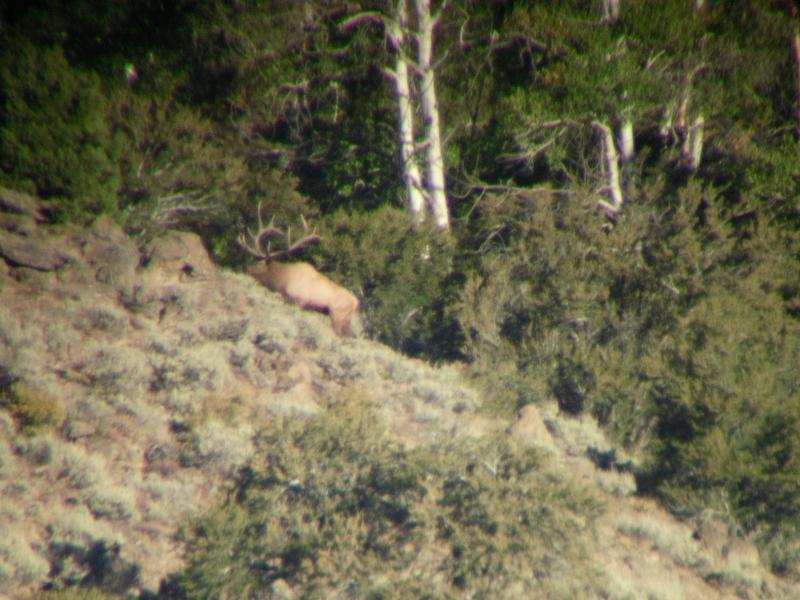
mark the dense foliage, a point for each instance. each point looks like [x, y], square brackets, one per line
[332, 507]
[675, 323]
[55, 139]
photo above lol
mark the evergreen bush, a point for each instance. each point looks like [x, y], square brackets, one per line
[32, 409]
[332, 507]
[179, 173]
[54, 140]
[671, 328]
[402, 274]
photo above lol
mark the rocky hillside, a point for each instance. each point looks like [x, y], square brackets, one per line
[132, 381]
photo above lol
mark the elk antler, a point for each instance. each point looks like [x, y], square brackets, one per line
[254, 248]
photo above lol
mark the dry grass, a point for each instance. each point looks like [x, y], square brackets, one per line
[223, 446]
[466, 516]
[167, 499]
[90, 473]
[32, 408]
[661, 535]
[167, 395]
[19, 562]
[77, 525]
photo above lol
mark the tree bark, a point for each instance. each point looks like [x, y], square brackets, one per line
[792, 9]
[435, 179]
[411, 174]
[693, 143]
[626, 147]
[610, 11]
[611, 159]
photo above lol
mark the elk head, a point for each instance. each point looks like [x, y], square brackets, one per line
[299, 282]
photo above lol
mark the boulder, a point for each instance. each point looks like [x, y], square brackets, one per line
[13, 201]
[32, 252]
[179, 254]
[529, 428]
[112, 255]
[16, 223]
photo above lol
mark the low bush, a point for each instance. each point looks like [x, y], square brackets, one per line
[331, 506]
[403, 276]
[54, 140]
[78, 593]
[32, 409]
[96, 572]
[675, 327]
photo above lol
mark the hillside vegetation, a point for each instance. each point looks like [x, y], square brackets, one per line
[619, 248]
[172, 430]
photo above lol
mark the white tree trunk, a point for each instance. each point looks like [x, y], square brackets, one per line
[611, 159]
[792, 10]
[626, 147]
[610, 11]
[411, 174]
[667, 126]
[435, 179]
[678, 127]
[693, 143]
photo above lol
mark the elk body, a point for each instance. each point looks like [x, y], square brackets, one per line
[299, 282]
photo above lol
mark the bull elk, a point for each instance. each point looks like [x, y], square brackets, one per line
[298, 282]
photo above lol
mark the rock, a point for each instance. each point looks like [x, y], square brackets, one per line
[31, 252]
[712, 533]
[21, 203]
[23, 243]
[741, 555]
[529, 428]
[112, 255]
[179, 254]
[20, 224]
[106, 228]
[281, 589]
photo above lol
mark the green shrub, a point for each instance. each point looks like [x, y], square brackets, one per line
[54, 140]
[780, 549]
[78, 593]
[96, 572]
[178, 172]
[331, 506]
[535, 297]
[726, 408]
[403, 275]
[675, 328]
[33, 409]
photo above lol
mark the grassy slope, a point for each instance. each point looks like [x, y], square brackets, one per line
[140, 391]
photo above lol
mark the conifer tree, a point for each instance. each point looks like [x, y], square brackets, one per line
[54, 140]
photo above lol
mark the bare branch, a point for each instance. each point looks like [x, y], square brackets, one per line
[515, 38]
[367, 17]
[437, 16]
[390, 74]
[530, 155]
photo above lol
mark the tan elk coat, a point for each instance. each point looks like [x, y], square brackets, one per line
[301, 284]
